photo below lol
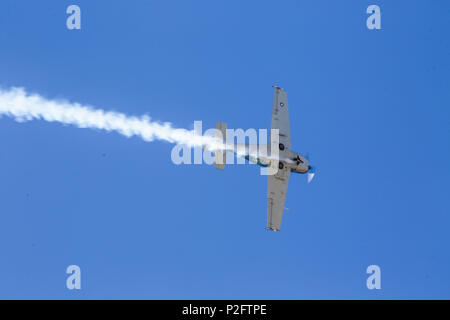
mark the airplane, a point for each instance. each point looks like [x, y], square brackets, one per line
[288, 161]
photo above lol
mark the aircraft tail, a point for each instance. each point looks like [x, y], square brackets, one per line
[220, 155]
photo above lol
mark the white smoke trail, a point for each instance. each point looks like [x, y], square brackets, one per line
[18, 104]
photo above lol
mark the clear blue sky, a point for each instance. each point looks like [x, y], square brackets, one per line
[370, 107]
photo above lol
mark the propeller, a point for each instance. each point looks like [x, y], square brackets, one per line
[311, 171]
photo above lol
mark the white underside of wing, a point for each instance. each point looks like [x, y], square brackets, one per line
[276, 197]
[278, 183]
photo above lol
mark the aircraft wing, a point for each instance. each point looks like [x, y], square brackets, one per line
[280, 117]
[278, 184]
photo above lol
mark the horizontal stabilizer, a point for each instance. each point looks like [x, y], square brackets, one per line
[220, 155]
